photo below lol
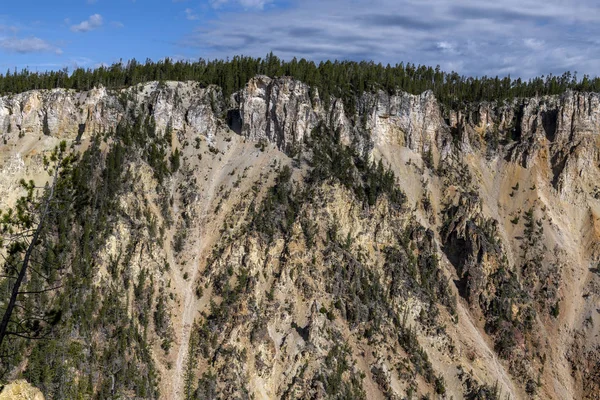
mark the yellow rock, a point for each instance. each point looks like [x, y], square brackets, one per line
[515, 311]
[21, 390]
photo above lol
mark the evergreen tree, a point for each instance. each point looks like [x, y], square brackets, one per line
[342, 79]
[28, 271]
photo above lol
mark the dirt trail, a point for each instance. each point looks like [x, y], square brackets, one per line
[191, 304]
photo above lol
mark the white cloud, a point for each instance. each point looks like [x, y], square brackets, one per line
[93, 22]
[78, 62]
[117, 24]
[189, 14]
[534, 44]
[443, 45]
[217, 3]
[260, 4]
[28, 45]
[246, 4]
[8, 28]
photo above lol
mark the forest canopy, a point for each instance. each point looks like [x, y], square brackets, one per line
[341, 79]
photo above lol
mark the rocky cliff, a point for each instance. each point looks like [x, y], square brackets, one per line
[291, 265]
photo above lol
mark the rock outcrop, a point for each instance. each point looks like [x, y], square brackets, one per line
[20, 390]
[278, 110]
[179, 106]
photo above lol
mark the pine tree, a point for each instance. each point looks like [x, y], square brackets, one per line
[28, 273]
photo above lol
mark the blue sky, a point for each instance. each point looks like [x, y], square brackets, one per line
[474, 37]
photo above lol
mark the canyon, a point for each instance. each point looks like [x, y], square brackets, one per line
[308, 247]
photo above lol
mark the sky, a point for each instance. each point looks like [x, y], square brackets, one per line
[520, 38]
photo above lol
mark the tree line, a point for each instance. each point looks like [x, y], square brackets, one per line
[342, 79]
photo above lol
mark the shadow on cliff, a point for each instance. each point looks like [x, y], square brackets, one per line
[234, 121]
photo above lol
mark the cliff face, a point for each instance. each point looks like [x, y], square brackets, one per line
[284, 112]
[482, 280]
[68, 114]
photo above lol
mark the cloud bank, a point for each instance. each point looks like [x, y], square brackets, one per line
[518, 37]
[28, 45]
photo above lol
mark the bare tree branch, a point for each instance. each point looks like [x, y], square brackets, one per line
[39, 273]
[41, 291]
[21, 335]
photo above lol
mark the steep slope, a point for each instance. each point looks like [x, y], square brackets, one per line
[279, 245]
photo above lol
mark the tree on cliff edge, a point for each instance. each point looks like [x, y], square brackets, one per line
[30, 272]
